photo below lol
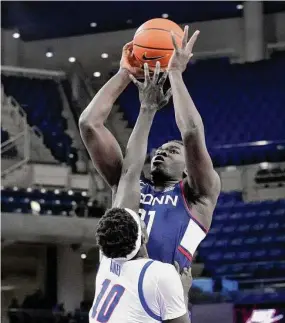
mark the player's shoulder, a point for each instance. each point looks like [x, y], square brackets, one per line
[163, 270]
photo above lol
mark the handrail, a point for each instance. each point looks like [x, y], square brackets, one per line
[250, 144]
[10, 140]
[37, 131]
[240, 145]
[16, 104]
[20, 117]
[32, 71]
[14, 167]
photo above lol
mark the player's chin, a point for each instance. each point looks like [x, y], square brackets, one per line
[157, 168]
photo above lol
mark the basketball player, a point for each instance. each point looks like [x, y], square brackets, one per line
[178, 204]
[130, 287]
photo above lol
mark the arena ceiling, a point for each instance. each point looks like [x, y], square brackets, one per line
[53, 19]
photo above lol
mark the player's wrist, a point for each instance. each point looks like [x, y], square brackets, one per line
[124, 73]
[149, 109]
[174, 71]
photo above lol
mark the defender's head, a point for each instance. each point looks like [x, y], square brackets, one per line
[168, 163]
[121, 234]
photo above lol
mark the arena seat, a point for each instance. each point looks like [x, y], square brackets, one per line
[53, 202]
[230, 98]
[41, 101]
[245, 233]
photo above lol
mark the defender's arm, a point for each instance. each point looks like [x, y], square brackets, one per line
[152, 99]
[128, 192]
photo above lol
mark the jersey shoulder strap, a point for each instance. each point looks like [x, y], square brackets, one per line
[141, 293]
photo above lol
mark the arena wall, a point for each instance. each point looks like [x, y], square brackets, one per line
[218, 35]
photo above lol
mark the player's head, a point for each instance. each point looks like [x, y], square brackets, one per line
[168, 163]
[121, 234]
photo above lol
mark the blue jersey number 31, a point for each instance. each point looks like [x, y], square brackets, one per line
[110, 303]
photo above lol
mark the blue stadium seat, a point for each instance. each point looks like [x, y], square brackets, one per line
[243, 96]
[248, 239]
[56, 202]
[41, 101]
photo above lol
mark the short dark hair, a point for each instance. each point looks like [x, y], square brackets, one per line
[180, 142]
[117, 233]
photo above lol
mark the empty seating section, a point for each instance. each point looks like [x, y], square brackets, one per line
[41, 101]
[53, 202]
[246, 239]
[269, 176]
[238, 104]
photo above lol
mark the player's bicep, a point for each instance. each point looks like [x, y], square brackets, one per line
[171, 296]
[202, 174]
[104, 152]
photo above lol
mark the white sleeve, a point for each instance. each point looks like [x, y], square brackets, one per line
[170, 294]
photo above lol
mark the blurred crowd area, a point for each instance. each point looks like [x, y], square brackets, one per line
[36, 308]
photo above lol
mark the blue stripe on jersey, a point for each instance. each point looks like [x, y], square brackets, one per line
[141, 295]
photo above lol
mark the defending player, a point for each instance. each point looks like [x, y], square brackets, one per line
[177, 206]
[130, 288]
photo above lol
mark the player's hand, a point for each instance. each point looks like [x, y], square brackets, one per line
[182, 55]
[129, 62]
[185, 276]
[151, 93]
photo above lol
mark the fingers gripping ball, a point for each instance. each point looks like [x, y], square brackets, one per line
[152, 41]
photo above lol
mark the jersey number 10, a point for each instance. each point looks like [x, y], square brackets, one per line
[151, 214]
[110, 303]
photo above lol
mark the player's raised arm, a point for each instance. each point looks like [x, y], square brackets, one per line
[102, 146]
[202, 176]
[152, 99]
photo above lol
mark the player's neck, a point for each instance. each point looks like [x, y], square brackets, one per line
[161, 184]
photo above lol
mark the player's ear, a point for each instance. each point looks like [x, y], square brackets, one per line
[185, 173]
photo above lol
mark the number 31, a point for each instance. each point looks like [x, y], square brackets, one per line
[149, 224]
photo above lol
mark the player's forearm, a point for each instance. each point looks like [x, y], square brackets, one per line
[101, 105]
[186, 300]
[187, 116]
[128, 192]
[137, 144]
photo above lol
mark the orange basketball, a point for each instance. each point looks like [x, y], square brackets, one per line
[152, 41]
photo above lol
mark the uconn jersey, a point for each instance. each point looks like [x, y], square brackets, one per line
[136, 291]
[174, 234]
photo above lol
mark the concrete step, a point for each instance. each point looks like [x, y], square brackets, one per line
[17, 177]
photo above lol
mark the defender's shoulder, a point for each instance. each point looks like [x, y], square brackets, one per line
[163, 270]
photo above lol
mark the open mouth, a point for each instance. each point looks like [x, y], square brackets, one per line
[157, 160]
